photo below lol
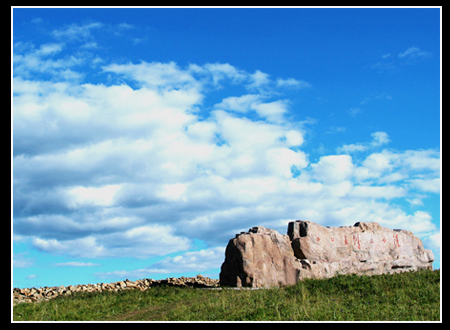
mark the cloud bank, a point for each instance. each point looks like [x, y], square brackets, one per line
[144, 163]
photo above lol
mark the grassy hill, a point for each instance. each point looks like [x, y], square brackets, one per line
[411, 296]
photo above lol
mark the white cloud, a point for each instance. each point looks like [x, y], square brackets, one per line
[427, 185]
[153, 75]
[332, 169]
[378, 139]
[101, 196]
[82, 247]
[415, 202]
[413, 52]
[294, 138]
[373, 192]
[393, 177]
[349, 148]
[377, 163]
[135, 169]
[273, 111]
[238, 103]
[422, 160]
[416, 169]
[76, 32]
[242, 133]
[138, 242]
[433, 241]
[41, 61]
[48, 49]
[220, 71]
[293, 83]
[173, 192]
[258, 80]
[194, 261]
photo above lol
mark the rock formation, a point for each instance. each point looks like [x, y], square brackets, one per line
[261, 257]
[264, 258]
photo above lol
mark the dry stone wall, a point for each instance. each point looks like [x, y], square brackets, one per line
[46, 293]
[264, 258]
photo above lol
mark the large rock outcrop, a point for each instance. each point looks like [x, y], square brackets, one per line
[264, 258]
[259, 258]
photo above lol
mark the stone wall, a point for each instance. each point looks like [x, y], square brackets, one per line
[46, 293]
[264, 258]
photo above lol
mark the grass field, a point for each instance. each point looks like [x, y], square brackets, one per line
[411, 296]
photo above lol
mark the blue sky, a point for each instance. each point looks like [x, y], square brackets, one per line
[144, 139]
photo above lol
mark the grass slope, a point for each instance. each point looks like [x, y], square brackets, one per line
[411, 296]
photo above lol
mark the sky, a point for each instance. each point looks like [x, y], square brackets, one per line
[144, 139]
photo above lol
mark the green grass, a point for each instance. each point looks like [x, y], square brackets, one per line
[411, 296]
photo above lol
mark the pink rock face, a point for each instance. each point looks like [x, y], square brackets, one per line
[365, 249]
[259, 258]
[264, 258]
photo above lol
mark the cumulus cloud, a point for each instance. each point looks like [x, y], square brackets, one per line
[139, 167]
[335, 168]
[270, 111]
[238, 103]
[349, 148]
[258, 80]
[417, 169]
[427, 185]
[138, 242]
[378, 139]
[153, 75]
[273, 111]
[135, 158]
[29, 62]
